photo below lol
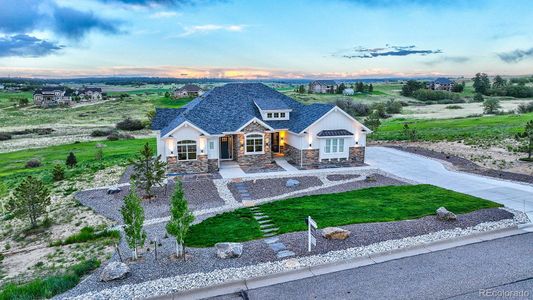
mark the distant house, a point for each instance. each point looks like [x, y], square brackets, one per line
[90, 94]
[189, 90]
[348, 92]
[323, 87]
[1, 86]
[52, 96]
[441, 84]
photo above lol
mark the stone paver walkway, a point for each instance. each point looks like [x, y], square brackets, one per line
[282, 162]
[269, 230]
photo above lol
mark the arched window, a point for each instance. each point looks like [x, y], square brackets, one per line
[254, 143]
[186, 150]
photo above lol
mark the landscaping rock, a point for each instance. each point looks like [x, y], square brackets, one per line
[228, 250]
[113, 190]
[292, 183]
[335, 233]
[445, 215]
[115, 270]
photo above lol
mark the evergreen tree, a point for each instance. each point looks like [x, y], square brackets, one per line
[99, 155]
[301, 89]
[359, 87]
[341, 88]
[30, 199]
[58, 173]
[372, 121]
[370, 88]
[499, 82]
[167, 94]
[527, 137]
[148, 172]
[133, 216]
[180, 219]
[71, 160]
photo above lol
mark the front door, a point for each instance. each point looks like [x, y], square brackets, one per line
[275, 142]
[226, 147]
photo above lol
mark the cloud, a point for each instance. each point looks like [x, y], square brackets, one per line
[516, 55]
[190, 30]
[388, 50]
[25, 16]
[163, 14]
[160, 3]
[448, 59]
[26, 46]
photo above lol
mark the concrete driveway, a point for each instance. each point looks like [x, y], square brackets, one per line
[425, 170]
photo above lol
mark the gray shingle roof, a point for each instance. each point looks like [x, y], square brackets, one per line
[229, 107]
[335, 132]
[271, 104]
[442, 80]
[190, 88]
[163, 116]
[325, 82]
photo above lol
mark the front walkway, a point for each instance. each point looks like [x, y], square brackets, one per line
[230, 169]
[421, 169]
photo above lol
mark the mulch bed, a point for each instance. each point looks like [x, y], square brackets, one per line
[340, 177]
[263, 188]
[465, 165]
[273, 167]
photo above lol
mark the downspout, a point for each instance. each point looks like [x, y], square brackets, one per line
[301, 152]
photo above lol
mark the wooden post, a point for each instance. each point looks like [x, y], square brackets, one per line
[118, 252]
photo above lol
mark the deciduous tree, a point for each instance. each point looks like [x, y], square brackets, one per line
[180, 219]
[133, 217]
[527, 138]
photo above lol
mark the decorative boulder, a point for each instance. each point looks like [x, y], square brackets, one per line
[228, 250]
[335, 233]
[445, 215]
[113, 190]
[115, 270]
[292, 183]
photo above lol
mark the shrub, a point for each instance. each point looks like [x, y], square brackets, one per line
[393, 107]
[99, 155]
[478, 98]
[58, 173]
[491, 106]
[525, 108]
[454, 107]
[129, 124]
[379, 109]
[33, 163]
[115, 136]
[429, 95]
[353, 108]
[4, 136]
[101, 132]
[87, 234]
[71, 160]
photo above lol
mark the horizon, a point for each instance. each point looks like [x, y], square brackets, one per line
[236, 39]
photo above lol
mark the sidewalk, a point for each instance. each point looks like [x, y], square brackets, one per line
[263, 281]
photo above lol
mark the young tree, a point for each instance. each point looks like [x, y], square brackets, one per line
[99, 155]
[491, 106]
[372, 121]
[410, 133]
[481, 83]
[527, 138]
[71, 160]
[167, 94]
[133, 216]
[58, 173]
[370, 88]
[180, 219]
[478, 97]
[148, 172]
[458, 87]
[30, 199]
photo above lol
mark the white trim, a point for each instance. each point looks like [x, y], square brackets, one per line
[246, 140]
[186, 123]
[252, 120]
[334, 137]
[336, 108]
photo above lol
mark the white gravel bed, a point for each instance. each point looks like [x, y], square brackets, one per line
[203, 279]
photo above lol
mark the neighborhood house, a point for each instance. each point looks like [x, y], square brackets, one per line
[441, 83]
[90, 94]
[251, 124]
[323, 87]
[189, 90]
[51, 96]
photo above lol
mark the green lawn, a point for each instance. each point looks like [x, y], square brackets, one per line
[8, 99]
[377, 204]
[486, 127]
[171, 103]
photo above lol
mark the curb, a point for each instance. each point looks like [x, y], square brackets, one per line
[236, 286]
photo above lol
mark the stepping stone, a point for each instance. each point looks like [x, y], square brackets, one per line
[277, 247]
[269, 230]
[261, 222]
[285, 253]
[269, 234]
[266, 225]
[258, 213]
[272, 240]
[260, 217]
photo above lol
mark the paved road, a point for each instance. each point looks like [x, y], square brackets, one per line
[421, 169]
[504, 264]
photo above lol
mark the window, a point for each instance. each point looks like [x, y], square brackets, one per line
[186, 150]
[282, 115]
[269, 115]
[334, 146]
[276, 115]
[211, 145]
[254, 143]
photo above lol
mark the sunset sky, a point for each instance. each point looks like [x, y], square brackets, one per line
[265, 39]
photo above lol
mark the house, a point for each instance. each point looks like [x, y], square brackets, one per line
[90, 94]
[189, 90]
[52, 96]
[348, 92]
[323, 86]
[250, 123]
[441, 83]
[1, 86]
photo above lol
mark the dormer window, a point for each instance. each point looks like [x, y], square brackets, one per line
[276, 115]
[269, 115]
[282, 115]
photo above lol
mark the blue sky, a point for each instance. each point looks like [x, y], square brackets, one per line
[265, 39]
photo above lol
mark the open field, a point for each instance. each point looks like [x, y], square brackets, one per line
[8, 99]
[377, 204]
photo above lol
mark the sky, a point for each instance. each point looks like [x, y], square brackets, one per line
[253, 39]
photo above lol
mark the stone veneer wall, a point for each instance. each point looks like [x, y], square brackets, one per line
[356, 157]
[357, 154]
[247, 160]
[199, 165]
[212, 165]
[293, 155]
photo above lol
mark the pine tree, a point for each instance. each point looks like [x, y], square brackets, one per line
[71, 160]
[58, 173]
[30, 198]
[527, 137]
[370, 88]
[148, 172]
[180, 219]
[372, 121]
[99, 155]
[133, 216]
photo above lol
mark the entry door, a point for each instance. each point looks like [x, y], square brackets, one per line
[225, 147]
[275, 142]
